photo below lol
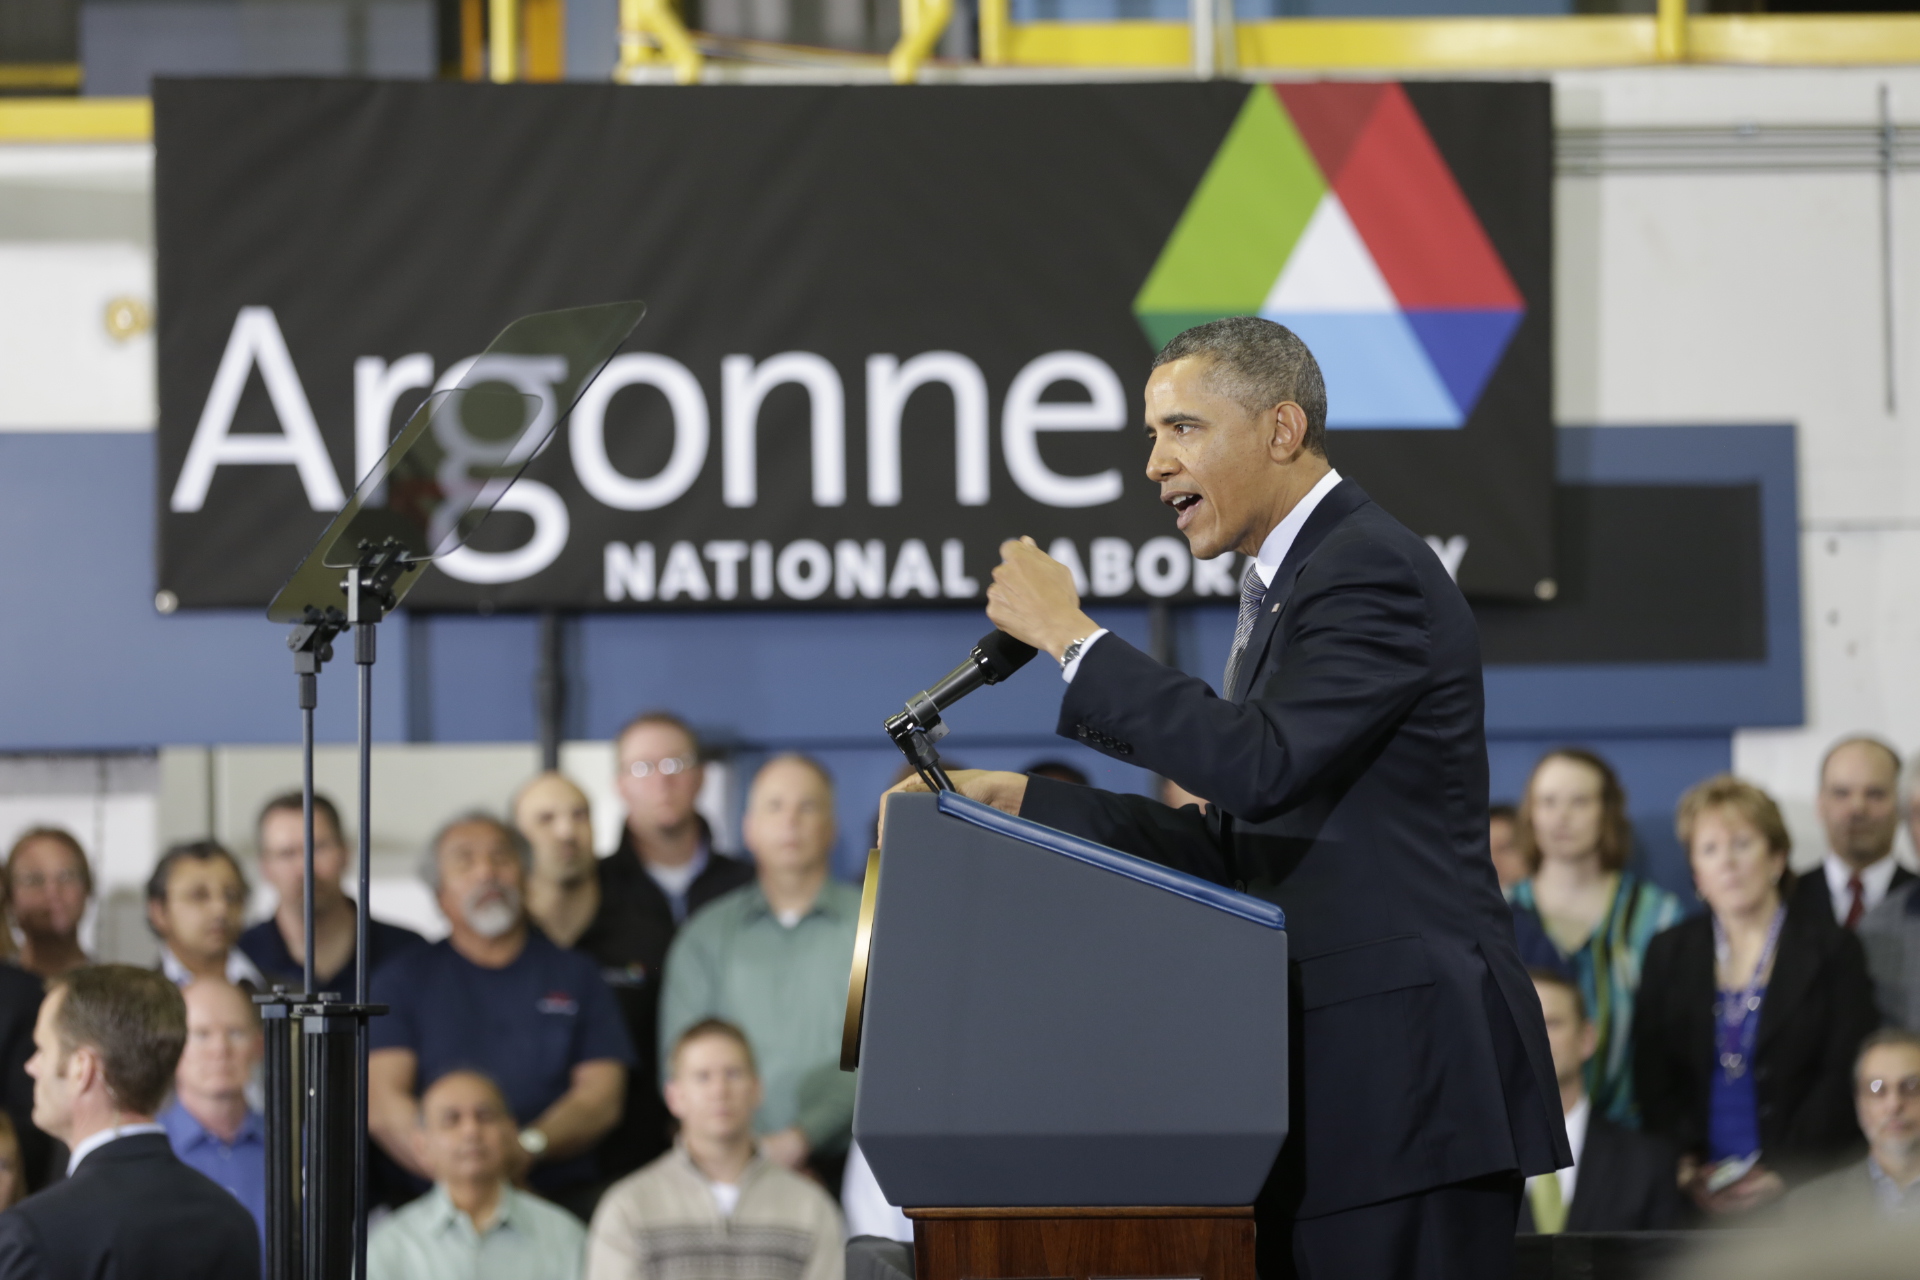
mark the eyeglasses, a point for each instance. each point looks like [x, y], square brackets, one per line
[665, 768]
[1908, 1088]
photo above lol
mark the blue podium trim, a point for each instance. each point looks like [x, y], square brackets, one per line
[1192, 888]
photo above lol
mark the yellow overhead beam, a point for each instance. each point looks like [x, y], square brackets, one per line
[1788, 39]
[76, 120]
[1465, 44]
[39, 75]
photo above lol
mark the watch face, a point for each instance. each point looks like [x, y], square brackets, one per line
[532, 1141]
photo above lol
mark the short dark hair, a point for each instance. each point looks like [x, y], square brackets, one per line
[199, 851]
[1881, 1039]
[296, 801]
[1561, 982]
[668, 718]
[134, 1018]
[711, 1027]
[1258, 364]
[60, 836]
[1502, 812]
[1058, 770]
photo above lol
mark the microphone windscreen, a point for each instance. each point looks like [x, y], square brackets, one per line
[1003, 655]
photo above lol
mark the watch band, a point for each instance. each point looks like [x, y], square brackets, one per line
[1072, 651]
[533, 1142]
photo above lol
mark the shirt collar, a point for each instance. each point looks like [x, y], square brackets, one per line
[92, 1144]
[239, 969]
[184, 1129]
[1280, 541]
[825, 903]
[1875, 880]
[447, 1215]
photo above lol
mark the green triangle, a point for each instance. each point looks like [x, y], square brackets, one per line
[1242, 222]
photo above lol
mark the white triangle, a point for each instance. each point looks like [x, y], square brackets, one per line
[1330, 269]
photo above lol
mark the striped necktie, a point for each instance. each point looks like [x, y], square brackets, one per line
[1252, 592]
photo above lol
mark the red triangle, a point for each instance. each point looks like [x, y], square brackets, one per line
[1423, 235]
[1330, 117]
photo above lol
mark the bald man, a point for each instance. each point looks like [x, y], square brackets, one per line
[563, 887]
[209, 1124]
[1859, 808]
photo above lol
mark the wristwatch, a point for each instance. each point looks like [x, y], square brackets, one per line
[1072, 651]
[533, 1142]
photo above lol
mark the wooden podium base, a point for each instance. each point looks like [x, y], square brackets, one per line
[1160, 1243]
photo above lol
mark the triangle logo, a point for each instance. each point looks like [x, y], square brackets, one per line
[1329, 209]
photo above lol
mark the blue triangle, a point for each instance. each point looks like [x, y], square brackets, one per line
[1465, 346]
[1378, 376]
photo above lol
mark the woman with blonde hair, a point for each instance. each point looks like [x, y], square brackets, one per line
[1750, 1014]
[1583, 913]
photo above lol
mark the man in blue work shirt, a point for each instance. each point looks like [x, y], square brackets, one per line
[497, 996]
[209, 1124]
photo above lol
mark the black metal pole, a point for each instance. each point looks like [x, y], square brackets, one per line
[308, 697]
[552, 688]
[363, 656]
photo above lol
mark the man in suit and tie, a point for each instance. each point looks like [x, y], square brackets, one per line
[1619, 1180]
[1346, 767]
[1859, 807]
[105, 1046]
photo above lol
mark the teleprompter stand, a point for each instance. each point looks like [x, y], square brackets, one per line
[422, 501]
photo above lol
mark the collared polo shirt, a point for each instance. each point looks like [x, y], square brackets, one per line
[268, 949]
[430, 1239]
[526, 1025]
[239, 1166]
[786, 987]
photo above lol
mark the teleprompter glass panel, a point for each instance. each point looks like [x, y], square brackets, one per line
[461, 450]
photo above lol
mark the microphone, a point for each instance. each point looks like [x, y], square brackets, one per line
[915, 729]
[997, 656]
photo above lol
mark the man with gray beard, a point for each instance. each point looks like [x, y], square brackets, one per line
[496, 996]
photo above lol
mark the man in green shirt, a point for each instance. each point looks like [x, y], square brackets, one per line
[473, 1225]
[772, 958]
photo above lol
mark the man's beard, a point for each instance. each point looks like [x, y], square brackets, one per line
[492, 910]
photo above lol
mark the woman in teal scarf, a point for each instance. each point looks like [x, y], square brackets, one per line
[1581, 912]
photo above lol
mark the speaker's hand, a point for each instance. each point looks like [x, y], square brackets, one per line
[1004, 791]
[1032, 599]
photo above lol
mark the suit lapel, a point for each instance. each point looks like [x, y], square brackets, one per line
[1345, 498]
[1597, 1177]
[1794, 968]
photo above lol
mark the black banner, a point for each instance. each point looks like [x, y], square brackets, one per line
[888, 327]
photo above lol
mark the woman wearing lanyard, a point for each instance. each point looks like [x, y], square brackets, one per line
[1749, 1015]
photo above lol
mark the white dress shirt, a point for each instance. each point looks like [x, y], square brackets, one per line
[92, 1144]
[1874, 883]
[1266, 563]
[1576, 1142]
[239, 969]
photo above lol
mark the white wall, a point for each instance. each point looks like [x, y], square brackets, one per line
[1702, 297]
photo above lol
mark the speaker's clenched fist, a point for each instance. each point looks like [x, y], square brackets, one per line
[1032, 599]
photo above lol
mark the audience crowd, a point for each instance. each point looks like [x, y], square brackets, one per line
[627, 1067]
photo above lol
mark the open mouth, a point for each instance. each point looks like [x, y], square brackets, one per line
[1184, 505]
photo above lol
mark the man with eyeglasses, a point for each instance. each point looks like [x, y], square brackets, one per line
[1886, 1098]
[664, 870]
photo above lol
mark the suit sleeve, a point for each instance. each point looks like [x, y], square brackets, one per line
[1824, 1125]
[20, 1256]
[1179, 838]
[1352, 662]
[1660, 1088]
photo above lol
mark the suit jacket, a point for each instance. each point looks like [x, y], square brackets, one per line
[1817, 1010]
[1347, 772]
[130, 1209]
[44, 1160]
[1811, 887]
[1627, 1183]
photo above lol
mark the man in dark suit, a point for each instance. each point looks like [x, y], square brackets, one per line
[1346, 767]
[1859, 808]
[1620, 1180]
[105, 1046]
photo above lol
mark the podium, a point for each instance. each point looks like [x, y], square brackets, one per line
[1072, 1061]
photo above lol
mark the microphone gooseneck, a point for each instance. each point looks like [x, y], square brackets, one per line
[915, 729]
